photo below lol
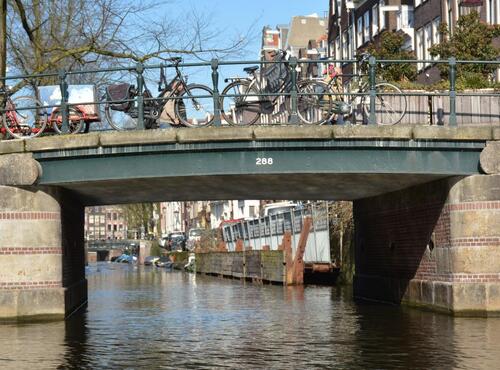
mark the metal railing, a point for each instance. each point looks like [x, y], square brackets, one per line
[215, 66]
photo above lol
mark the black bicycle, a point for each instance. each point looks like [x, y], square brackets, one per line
[177, 103]
[263, 97]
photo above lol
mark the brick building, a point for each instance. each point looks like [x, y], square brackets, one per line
[105, 223]
[353, 24]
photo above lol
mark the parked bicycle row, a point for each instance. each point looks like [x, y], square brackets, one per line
[270, 94]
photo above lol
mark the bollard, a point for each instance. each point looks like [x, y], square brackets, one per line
[453, 94]
[294, 118]
[372, 119]
[63, 86]
[215, 81]
[139, 68]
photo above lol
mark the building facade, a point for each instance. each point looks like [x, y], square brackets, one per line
[105, 223]
[352, 25]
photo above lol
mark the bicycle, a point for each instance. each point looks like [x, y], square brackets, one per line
[78, 120]
[23, 117]
[193, 103]
[390, 103]
[244, 100]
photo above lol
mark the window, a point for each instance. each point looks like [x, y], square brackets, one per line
[435, 33]
[115, 227]
[251, 211]
[345, 45]
[374, 20]
[109, 215]
[109, 227]
[492, 11]
[366, 29]
[405, 17]
[101, 219]
[420, 47]
[428, 41]
[382, 15]
[338, 49]
[359, 32]
[350, 45]
[115, 216]
[449, 15]
[91, 219]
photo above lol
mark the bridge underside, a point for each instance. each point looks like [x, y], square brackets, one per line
[279, 186]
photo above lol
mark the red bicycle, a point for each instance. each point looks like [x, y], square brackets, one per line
[23, 116]
[79, 119]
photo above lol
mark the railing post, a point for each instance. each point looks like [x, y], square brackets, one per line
[139, 68]
[372, 119]
[63, 86]
[215, 81]
[294, 118]
[453, 94]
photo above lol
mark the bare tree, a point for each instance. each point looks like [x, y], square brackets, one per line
[44, 36]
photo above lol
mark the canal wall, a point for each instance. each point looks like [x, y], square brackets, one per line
[258, 265]
[42, 256]
[435, 245]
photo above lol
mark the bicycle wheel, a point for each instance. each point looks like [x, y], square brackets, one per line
[195, 108]
[75, 120]
[240, 109]
[390, 104]
[122, 121]
[26, 119]
[315, 107]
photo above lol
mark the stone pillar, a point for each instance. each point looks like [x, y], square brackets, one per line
[41, 257]
[435, 245]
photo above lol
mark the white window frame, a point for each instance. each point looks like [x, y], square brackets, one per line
[366, 26]
[382, 15]
[375, 13]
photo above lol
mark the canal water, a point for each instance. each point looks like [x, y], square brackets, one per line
[141, 317]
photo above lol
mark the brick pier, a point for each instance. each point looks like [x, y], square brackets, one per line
[436, 245]
[41, 256]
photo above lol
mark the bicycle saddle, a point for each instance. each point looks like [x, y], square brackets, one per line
[251, 69]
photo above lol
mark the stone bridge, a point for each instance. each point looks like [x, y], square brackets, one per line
[426, 202]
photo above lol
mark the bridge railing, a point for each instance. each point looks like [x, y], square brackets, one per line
[288, 101]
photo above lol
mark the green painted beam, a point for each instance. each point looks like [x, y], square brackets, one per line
[137, 164]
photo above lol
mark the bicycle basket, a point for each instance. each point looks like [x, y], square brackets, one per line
[274, 75]
[118, 93]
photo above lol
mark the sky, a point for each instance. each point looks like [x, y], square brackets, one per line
[236, 17]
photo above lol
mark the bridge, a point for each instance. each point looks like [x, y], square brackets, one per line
[426, 202]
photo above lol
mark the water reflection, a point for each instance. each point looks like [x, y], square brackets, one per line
[145, 317]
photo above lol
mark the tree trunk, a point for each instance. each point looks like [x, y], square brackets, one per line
[3, 41]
